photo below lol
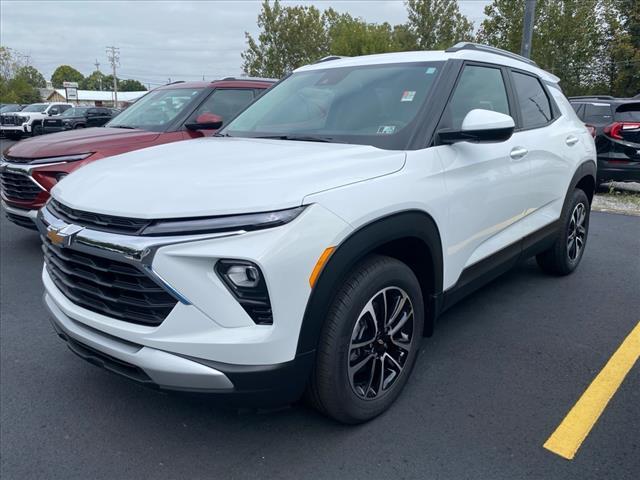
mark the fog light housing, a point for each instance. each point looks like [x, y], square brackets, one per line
[246, 283]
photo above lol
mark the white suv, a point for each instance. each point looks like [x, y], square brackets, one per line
[29, 120]
[312, 244]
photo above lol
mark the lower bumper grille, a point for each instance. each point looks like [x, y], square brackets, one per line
[17, 186]
[108, 287]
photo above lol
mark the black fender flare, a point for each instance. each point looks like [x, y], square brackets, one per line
[587, 168]
[366, 239]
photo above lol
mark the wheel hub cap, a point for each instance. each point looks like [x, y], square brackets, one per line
[380, 343]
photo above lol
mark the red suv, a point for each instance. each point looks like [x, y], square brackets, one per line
[174, 112]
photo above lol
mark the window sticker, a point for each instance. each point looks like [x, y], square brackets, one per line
[386, 129]
[408, 96]
[430, 70]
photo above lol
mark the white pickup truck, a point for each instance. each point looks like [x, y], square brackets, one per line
[29, 121]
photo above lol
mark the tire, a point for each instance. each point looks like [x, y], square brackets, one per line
[566, 252]
[78, 126]
[346, 383]
[37, 130]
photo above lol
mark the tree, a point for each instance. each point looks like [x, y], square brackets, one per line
[32, 76]
[95, 81]
[65, 73]
[438, 24]
[15, 88]
[289, 37]
[567, 38]
[130, 86]
[621, 50]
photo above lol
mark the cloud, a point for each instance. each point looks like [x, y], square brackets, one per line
[158, 40]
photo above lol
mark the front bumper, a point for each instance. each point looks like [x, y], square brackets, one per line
[207, 336]
[24, 128]
[19, 216]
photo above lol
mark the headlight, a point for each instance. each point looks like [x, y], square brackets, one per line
[23, 119]
[65, 158]
[247, 222]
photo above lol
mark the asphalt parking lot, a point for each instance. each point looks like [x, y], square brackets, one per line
[502, 371]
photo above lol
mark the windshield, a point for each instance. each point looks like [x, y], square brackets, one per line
[369, 105]
[36, 107]
[156, 110]
[75, 112]
[10, 108]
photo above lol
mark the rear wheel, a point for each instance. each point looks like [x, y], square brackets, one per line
[369, 342]
[567, 250]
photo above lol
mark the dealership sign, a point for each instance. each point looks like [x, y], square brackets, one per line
[71, 90]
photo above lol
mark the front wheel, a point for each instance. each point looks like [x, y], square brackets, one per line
[567, 250]
[369, 342]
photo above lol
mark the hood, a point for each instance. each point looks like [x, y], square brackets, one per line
[218, 176]
[78, 141]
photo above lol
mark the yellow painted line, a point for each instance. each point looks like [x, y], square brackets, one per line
[575, 427]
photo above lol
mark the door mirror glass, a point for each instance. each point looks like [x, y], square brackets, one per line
[206, 121]
[480, 126]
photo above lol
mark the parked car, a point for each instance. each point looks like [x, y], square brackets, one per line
[314, 241]
[79, 117]
[616, 122]
[11, 107]
[29, 119]
[179, 111]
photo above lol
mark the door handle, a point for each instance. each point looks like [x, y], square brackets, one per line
[518, 152]
[571, 140]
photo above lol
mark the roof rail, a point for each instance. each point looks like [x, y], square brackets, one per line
[489, 49]
[328, 58]
[249, 79]
[597, 97]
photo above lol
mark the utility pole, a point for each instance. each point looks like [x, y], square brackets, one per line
[97, 64]
[113, 55]
[527, 30]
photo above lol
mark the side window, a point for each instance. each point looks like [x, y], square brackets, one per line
[534, 103]
[92, 112]
[478, 87]
[598, 113]
[225, 102]
[63, 108]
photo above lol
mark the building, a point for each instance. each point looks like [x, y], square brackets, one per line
[96, 98]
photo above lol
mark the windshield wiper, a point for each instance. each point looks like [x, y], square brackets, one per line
[221, 135]
[129, 127]
[299, 138]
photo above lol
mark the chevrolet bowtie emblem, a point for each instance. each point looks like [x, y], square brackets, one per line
[64, 236]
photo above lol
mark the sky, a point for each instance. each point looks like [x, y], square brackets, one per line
[159, 40]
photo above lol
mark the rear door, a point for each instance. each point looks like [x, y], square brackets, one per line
[551, 141]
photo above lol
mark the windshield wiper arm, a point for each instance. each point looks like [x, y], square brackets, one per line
[299, 138]
[129, 127]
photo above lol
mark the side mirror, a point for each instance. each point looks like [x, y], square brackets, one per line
[206, 121]
[480, 126]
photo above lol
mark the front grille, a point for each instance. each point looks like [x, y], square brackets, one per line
[98, 221]
[9, 158]
[21, 220]
[18, 186]
[9, 120]
[108, 287]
